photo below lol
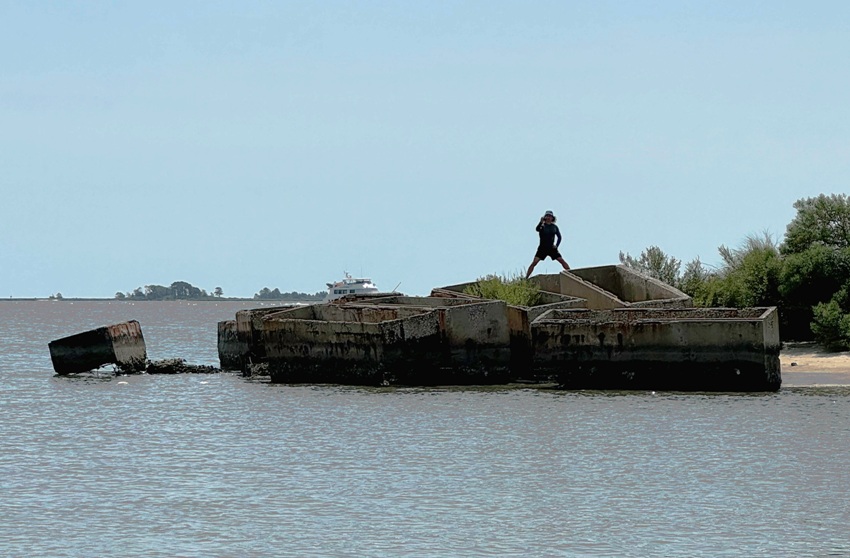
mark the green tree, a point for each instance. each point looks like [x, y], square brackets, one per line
[218, 292]
[264, 293]
[823, 220]
[831, 325]
[813, 275]
[655, 263]
[749, 275]
[181, 290]
[694, 278]
[817, 264]
[156, 292]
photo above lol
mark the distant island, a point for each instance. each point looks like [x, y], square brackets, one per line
[181, 290]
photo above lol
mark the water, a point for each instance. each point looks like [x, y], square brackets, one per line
[216, 465]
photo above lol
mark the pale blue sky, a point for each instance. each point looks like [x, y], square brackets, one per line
[277, 144]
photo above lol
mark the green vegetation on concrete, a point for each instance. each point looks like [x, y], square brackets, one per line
[515, 290]
[807, 276]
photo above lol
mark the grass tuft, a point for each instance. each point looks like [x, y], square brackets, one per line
[514, 290]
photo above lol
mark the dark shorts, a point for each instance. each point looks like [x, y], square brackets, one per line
[551, 251]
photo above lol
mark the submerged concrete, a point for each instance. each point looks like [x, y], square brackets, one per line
[714, 349]
[605, 327]
[178, 366]
[332, 343]
[231, 349]
[394, 340]
[474, 338]
[120, 344]
[247, 351]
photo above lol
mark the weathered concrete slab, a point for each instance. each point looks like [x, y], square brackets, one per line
[602, 328]
[348, 344]
[568, 284]
[248, 347]
[709, 349]
[630, 286]
[519, 318]
[120, 344]
[475, 345]
[231, 349]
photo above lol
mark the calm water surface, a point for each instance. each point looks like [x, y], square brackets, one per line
[215, 465]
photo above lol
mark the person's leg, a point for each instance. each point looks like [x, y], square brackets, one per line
[565, 264]
[534, 262]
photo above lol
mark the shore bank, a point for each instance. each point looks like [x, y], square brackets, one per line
[807, 364]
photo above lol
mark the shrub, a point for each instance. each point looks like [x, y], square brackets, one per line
[655, 263]
[831, 326]
[515, 290]
[750, 276]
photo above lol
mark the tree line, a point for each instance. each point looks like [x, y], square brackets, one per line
[181, 290]
[806, 275]
[266, 294]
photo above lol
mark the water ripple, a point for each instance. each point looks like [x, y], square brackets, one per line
[219, 466]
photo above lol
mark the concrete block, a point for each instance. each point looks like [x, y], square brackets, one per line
[249, 328]
[713, 349]
[120, 344]
[633, 287]
[475, 333]
[231, 350]
[348, 344]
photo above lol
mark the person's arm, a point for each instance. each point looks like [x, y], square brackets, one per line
[557, 236]
[539, 226]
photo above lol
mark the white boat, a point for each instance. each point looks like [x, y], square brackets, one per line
[350, 286]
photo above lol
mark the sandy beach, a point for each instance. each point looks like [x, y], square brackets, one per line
[807, 364]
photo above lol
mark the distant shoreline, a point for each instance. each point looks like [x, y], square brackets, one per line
[802, 363]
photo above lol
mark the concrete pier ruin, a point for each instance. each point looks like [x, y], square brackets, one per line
[713, 349]
[393, 340]
[606, 327]
[120, 344]
[230, 348]
[245, 351]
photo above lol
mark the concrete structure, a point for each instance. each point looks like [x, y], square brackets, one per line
[330, 343]
[605, 287]
[390, 340]
[475, 335]
[613, 286]
[248, 348]
[605, 327]
[714, 349]
[231, 350]
[633, 289]
[120, 344]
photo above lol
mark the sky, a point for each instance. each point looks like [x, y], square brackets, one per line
[279, 144]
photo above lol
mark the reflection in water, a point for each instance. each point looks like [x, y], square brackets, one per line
[214, 465]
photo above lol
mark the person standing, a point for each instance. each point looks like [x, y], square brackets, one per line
[550, 239]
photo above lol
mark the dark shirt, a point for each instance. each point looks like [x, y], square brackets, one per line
[548, 234]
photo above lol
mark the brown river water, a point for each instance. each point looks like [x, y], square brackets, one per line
[219, 466]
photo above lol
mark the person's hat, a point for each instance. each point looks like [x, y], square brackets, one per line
[549, 214]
